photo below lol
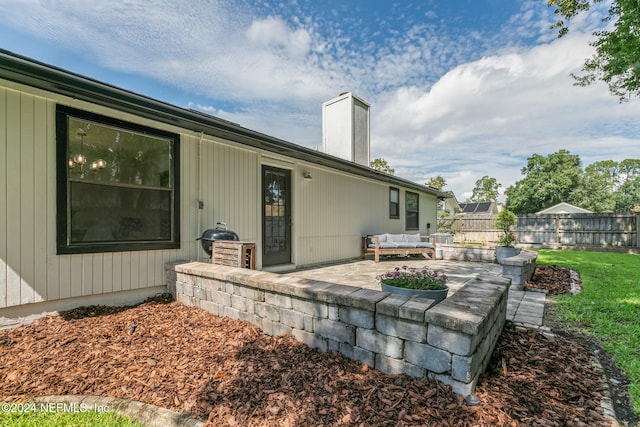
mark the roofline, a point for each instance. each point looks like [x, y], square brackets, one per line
[580, 210]
[23, 70]
[453, 200]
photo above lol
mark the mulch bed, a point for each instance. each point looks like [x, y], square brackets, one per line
[229, 373]
[549, 278]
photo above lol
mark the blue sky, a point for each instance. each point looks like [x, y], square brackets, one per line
[458, 88]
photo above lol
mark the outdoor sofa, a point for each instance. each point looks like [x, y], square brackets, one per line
[397, 244]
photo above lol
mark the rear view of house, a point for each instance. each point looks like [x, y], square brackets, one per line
[101, 187]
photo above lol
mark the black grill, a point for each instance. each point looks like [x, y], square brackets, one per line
[212, 234]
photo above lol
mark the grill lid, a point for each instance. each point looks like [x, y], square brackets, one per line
[212, 234]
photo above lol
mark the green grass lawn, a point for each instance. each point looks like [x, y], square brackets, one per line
[38, 418]
[608, 307]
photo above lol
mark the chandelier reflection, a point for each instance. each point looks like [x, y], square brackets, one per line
[81, 160]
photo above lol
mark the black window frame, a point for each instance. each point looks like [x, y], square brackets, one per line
[410, 214]
[63, 203]
[394, 207]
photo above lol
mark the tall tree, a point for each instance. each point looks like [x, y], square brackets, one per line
[548, 181]
[629, 168]
[596, 189]
[486, 190]
[437, 182]
[616, 59]
[627, 197]
[381, 165]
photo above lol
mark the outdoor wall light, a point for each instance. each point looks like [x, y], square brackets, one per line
[307, 175]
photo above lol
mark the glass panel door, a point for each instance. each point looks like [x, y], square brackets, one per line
[276, 216]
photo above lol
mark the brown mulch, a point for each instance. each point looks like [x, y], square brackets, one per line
[551, 279]
[229, 373]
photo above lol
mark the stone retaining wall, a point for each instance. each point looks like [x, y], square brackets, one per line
[519, 268]
[451, 341]
[468, 253]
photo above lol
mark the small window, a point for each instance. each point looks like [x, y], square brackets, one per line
[117, 185]
[394, 203]
[412, 211]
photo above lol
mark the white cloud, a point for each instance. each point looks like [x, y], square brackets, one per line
[486, 117]
[462, 104]
[272, 33]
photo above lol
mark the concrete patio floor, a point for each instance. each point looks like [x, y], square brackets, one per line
[523, 307]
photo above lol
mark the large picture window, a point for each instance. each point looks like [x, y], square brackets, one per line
[413, 209]
[117, 185]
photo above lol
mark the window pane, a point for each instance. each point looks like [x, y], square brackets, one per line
[412, 202]
[109, 154]
[394, 195]
[394, 210]
[275, 215]
[412, 220]
[394, 203]
[117, 184]
[106, 213]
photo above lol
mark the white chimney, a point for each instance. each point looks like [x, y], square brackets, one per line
[345, 128]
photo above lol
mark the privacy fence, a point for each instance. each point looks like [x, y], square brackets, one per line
[604, 230]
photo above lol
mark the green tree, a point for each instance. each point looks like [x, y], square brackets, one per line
[505, 221]
[629, 168]
[548, 180]
[616, 60]
[437, 182]
[597, 187]
[627, 196]
[486, 190]
[381, 165]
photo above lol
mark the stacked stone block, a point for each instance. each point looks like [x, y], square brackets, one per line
[468, 253]
[519, 268]
[451, 341]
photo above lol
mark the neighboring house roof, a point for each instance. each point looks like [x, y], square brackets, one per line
[564, 208]
[479, 208]
[23, 70]
[450, 203]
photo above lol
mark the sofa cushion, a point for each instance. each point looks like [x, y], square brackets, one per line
[397, 238]
[424, 245]
[382, 238]
[389, 245]
[409, 244]
[414, 238]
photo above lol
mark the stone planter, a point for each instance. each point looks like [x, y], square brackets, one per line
[436, 295]
[503, 252]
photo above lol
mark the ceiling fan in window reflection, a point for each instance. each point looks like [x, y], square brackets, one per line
[81, 160]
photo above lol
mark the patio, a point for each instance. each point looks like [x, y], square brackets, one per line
[523, 307]
[339, 307]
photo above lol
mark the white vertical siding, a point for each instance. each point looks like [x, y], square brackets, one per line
[330, 212]
[30, 270]
[42, 144]
[188, 194]
[335, 210]
[57, 272]
[428, 213]
[229, 190]
[13, 202]
[27, 203]
[4, 273]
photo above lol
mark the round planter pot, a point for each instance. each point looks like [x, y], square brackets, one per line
[436, 295]
[503, 252]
